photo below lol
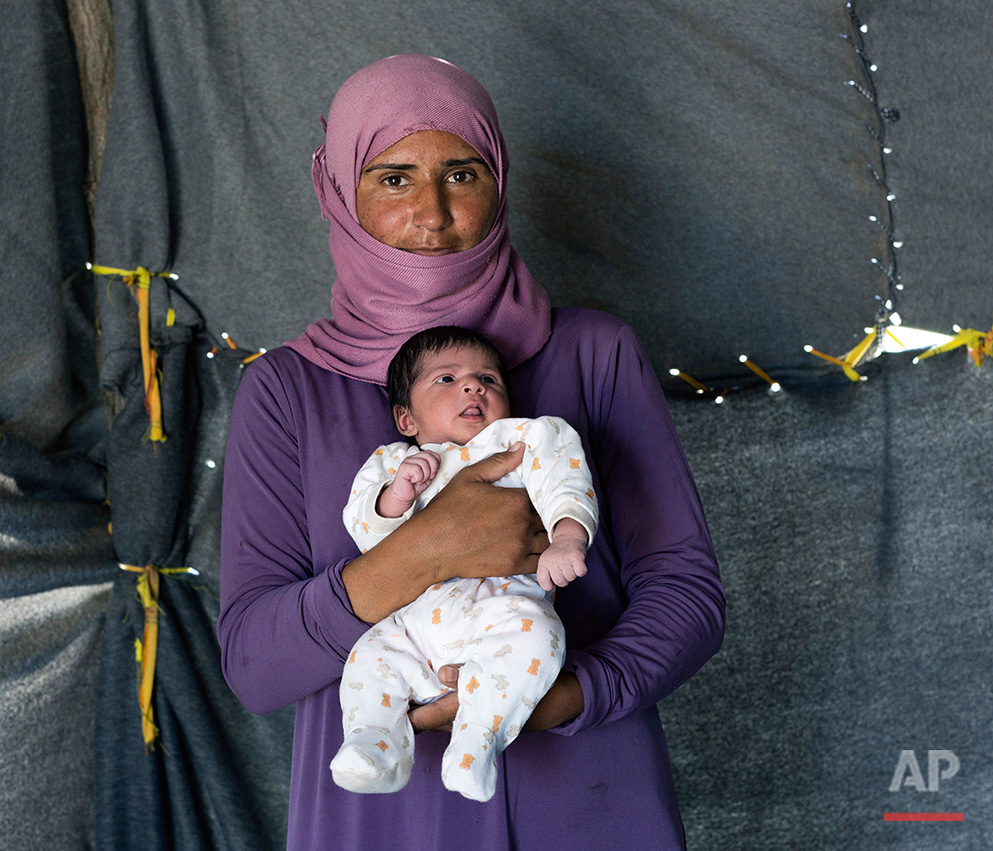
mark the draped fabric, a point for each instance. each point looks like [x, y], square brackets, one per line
[728, 178]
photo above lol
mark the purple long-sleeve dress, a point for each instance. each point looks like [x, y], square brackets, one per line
[647, 615]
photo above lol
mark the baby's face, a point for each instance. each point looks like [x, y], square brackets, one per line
[457, 393]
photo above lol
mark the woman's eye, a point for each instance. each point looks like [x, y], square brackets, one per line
[394, 180]
[461, 176]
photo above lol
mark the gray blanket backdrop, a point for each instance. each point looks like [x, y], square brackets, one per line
[706, 170]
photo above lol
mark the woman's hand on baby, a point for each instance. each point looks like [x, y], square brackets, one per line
[469, 529]
[562, 703]
[485, 530]
[440, 714]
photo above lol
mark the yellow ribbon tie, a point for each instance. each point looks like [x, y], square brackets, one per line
[977, 343]
[147, 647]
[139, 280]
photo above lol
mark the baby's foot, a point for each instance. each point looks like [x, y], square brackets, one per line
[469, 764]
[371, 760]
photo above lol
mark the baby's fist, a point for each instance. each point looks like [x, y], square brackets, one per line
[415, 473]
[562, 562]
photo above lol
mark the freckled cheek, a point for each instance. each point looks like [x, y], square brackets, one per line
[477, 221]
[388, 224]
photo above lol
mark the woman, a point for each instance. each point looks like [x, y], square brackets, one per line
[412, 178]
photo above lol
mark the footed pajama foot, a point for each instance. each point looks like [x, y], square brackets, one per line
[469, 764]
[371, 760]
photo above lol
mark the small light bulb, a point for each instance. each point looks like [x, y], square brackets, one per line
[863, 29]
[673, 372]
[891, 197]
[887, 150]
[742, 358]
[719, 400]
[775, 387]
[898, 244]
[873, 67]
[873, 219]
[956, 328]
[808, 349]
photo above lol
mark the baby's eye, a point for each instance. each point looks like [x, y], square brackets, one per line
[444, 379]
[488, 379]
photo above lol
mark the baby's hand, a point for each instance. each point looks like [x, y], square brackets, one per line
[565, 558]
[416, 472]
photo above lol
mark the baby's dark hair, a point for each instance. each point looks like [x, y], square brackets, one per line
[405, 366]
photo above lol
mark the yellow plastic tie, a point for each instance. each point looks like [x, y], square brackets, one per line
[146, 648]
[976, 343]
[139, 280]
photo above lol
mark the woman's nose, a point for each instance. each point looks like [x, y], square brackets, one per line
[431, 208]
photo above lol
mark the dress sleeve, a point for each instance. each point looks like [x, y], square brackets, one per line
[284, 628]
[654, 531]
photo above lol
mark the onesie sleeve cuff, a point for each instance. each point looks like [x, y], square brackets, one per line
[378, 525]
[576, 512]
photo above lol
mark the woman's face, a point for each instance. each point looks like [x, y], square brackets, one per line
[430, 194]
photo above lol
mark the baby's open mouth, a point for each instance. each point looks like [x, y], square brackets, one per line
[472, 412]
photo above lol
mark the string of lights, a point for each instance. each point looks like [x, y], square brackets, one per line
[887, 334]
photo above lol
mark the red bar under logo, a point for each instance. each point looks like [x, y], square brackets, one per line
[923, 816]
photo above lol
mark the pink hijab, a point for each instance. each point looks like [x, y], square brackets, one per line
[383, 295]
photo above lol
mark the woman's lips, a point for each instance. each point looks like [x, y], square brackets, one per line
[431, 252]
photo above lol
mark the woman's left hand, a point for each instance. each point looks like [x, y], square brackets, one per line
[440, 714]
[562, 703]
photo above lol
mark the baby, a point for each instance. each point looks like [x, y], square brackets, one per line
[448, 393]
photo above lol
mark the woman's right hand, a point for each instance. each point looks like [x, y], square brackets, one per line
[469, 529]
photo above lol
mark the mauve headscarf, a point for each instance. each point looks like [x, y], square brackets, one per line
[383, 295]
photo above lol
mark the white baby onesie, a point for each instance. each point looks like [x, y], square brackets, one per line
[503, 630]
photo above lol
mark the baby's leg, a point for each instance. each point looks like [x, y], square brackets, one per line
[382, 672]
[519, 651]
